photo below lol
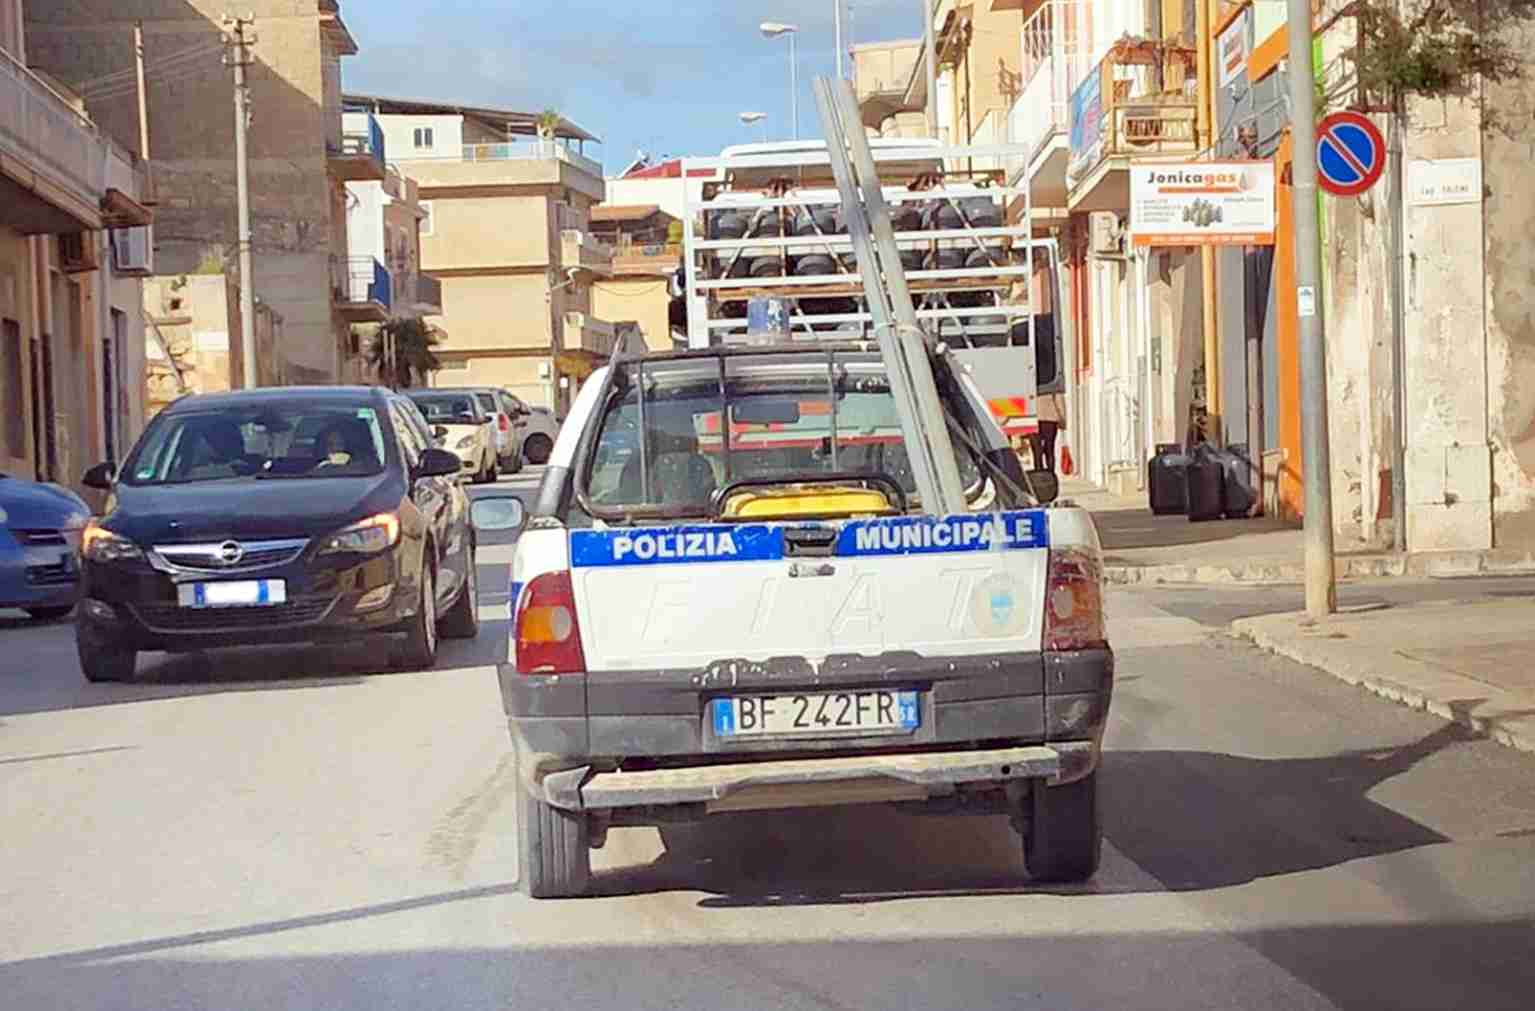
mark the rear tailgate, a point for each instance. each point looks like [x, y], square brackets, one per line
[691, 597]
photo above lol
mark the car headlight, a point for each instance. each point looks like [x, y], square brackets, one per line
[467, 441]
[98, 544]
[376, 533]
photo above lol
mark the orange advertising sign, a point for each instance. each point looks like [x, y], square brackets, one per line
[1203, 204]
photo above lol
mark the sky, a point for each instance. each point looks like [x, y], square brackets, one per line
[668, 77]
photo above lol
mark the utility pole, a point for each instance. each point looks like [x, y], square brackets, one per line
[238, 37]
[1398, 328]
[837, 12]
[138, 57]
[1321, 584]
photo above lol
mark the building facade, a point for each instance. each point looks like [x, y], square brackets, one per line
[74, 244]
[507, 233]
[300, 158]
[647, 251]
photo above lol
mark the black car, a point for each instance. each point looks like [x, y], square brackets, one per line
[273, 516]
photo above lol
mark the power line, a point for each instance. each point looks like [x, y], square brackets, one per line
[111, 80]
[179, 72]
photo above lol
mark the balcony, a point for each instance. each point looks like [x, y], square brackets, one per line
[52, 158]
[1057, 55]
[423, 296]
[581, 249]
[1117, 119]
[360, 155]
[660, 259]
[531, 150]
[361, 288]
[588, 334]
[883, 70]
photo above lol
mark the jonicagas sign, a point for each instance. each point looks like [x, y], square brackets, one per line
[1203, 204]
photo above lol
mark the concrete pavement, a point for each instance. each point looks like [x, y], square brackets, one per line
[280, 832]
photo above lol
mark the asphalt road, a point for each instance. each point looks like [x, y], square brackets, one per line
[286, 829]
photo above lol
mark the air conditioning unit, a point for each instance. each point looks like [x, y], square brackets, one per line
[1107, 235]
[77, 252]
[133, 250]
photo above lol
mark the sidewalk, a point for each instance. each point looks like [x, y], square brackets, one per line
[1139, 547]
[1471, 663]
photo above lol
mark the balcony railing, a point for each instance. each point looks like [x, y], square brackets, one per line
[361, 154]
[581, 249]
[362, 286]
[42, 130]
[585, 333]
[530, 150]
[1057, 53]
[661, 257]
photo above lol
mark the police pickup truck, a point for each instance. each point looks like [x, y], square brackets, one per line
[728, 599]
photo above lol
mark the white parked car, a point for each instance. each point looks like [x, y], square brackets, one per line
[534, 428]
[464, 428]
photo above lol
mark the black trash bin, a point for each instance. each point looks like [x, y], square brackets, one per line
[1169, 480]
[1237, 493]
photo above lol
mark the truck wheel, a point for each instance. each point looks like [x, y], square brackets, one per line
[1064, 839]
[553, 845]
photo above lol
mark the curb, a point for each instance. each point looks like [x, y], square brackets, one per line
[1364, 676]
[1431, 565]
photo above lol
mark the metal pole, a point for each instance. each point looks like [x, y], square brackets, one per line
[241, 58]
[931, 45]
[837, 12]
[794, 83]
[1398, 334]
[1321, 586]
[138, 57]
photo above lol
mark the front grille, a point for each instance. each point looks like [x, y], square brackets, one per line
[61, 574]
[210, 557]
[169, 618]
[40, 538]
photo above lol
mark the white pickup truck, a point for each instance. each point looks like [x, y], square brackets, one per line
[727, 600]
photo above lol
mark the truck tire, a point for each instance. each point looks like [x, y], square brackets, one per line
[553, 846]
[1064, 838]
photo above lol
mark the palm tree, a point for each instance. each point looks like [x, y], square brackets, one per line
[547, 123]
[413, 339]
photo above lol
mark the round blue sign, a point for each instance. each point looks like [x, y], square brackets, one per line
[1350, 153]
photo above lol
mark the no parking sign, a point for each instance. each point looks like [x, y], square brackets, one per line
[1350, 154]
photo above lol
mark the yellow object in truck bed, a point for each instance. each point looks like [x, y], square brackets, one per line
[806, 501]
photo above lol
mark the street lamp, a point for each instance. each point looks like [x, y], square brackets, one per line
[756, 117]
[772, 30]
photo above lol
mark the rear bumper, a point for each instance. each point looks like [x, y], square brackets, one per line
[571, 730]
[715, 785]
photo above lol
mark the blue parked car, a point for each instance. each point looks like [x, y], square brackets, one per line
[40, 530]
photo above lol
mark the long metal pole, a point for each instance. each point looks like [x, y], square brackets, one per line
[837, 13]
[242, 183]
[138, 59]
[931, 45]
[1321, 585]
[1398, 334]
[794, 83]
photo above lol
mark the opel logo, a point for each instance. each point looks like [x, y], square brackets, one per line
[230, 553]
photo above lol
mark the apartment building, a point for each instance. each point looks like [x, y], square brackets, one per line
[300, 158]
[647, 251]
[74, 243]
[507, 232]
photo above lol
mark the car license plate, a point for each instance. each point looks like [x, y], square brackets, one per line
[235, 593]
[813, 713]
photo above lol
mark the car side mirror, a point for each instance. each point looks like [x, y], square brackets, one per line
[1046, 485]
[498, 513]
[437, 463]
[100, 476]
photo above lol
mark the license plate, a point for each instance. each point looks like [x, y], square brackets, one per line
[235, 593]
[816, 713]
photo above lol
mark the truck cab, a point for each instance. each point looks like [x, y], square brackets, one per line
[728, 599]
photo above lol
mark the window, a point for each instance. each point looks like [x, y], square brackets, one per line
[426, 217]
[423, 138]
[15, 434]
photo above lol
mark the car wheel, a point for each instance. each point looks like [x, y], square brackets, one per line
[1064, 839]
[48, 613]
[419, 650]
[101, 660]
[463, 619]
[554, 848]
[538, 448]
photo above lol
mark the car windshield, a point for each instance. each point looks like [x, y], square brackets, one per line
[448, 408]
[288, 440]
[790, 416]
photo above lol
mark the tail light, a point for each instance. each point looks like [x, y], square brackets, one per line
[548, 638]
[1074, 603]
[506, 423]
